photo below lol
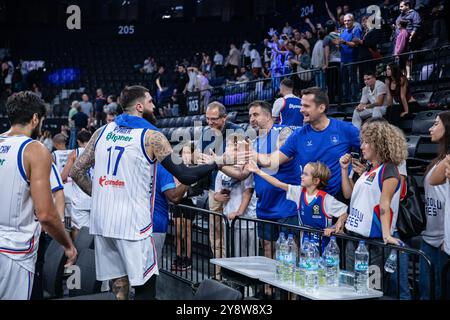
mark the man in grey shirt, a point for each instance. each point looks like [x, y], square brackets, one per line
[373, 100]
[86, 106]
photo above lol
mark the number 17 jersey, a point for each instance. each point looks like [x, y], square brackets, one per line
[123, 185]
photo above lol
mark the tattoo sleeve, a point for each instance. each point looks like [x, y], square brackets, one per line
[156, 144]
[83, 163]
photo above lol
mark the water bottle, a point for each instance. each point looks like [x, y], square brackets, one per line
[331, 259]
[300, 272]
[290, 260]
[391, 263]
[312, 267]
[361, 268]
[321, 273]
[279, 254]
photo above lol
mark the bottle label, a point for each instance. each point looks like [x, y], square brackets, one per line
[361, 266]
[331, 261]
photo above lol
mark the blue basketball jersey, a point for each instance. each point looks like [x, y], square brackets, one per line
[290, 114]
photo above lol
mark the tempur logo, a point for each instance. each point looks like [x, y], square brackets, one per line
[114, 137]
[103, 182]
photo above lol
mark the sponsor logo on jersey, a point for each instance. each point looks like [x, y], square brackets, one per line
[113, 183]
[370, 178]
[115, 137]
[309, 143]
[4, 149]
[294, 106]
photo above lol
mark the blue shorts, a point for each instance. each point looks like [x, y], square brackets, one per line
[270, 232]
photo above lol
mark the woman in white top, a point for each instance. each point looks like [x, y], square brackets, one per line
[437, 190]
[376, 194]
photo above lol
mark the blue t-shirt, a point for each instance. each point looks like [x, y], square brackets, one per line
[164, 182]
[272, 203]
[349, 54]
[290, 115]
[327, 146]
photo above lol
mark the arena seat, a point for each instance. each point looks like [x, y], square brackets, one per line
[187, 121]
[412, 142]
[89, 283]
[84, 240]
[179, 122]
[53, 269]
[213, 290]
[423, 121]
[423, 97]
[440, 99]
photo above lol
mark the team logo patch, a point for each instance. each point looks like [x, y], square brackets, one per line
[334, 139]
[371, 177]
[316, 210]
[113, 183]
[309, 143]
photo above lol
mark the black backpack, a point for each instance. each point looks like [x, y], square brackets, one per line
[412, 219]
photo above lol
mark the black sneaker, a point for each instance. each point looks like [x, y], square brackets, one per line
[177, 263]
[186, 264]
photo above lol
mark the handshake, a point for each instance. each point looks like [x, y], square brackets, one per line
[236, 153]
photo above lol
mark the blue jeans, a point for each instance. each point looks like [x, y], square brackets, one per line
[320, 79]
[405, 293]
[349, 79]
[73, 138]
[438, 259]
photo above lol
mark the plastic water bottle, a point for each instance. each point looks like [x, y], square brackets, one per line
[321, 273]
[312, 267]
[279, 254]
[331, 259]
[300, 272]
[361, 268]
[391, 263]
[290, 260]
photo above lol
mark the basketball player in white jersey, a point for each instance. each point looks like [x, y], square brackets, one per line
[60, 156]
[124, 153]
[26, 199]
[81, 202]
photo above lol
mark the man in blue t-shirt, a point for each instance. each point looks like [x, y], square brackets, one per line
[321, 139]
[286, 110]
[349, 54]
[166, 190]
[271, 201]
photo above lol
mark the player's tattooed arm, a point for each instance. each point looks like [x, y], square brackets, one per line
[83, 163]
[157, 145]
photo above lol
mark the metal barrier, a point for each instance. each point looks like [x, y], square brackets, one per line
[241, 239]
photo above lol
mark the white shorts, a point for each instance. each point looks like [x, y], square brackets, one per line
[80, 218]
[16, 282]
[116, 258]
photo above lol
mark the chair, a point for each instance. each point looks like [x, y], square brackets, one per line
[423, 121]
[214, 290]
[423, 97]
[84, 240]
[53, 269]
[88, 283]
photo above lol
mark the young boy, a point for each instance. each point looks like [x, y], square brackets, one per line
[315, 207]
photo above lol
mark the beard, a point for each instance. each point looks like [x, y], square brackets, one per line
[150, 117]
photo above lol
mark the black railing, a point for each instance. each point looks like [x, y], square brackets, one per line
[241, 239]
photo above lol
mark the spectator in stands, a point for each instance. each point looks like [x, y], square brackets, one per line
[387, 12]
[384, 146]
[100, 102]
[80, 119]
[266, 72]
[46, 140]
[149, 66]
[286, 110]
[318, 61]
[255, 61]
[288, 29]
[218, 65]
[373, 100]
[300, 63]
[400, 102]
[245, 53]
[203, 86]
[212, 139]
[401, 43]
[35, 88]
[162, 83]
[321, 139]
[192, 74]
[86, 106]
[244, 76]
[110, 116]
[300, 38]
[267, 51]
[73, 130]
[413, 24]
[436, 207]
[112, 105]
[206, 65]
[238, 200]
[232, 61]
[332, 62]
[166, 191]
[349, 54]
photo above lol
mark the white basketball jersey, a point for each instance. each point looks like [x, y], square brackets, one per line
[81, 200]
[19, 228]
[364, 217]
[60, 159]
[122, 189]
